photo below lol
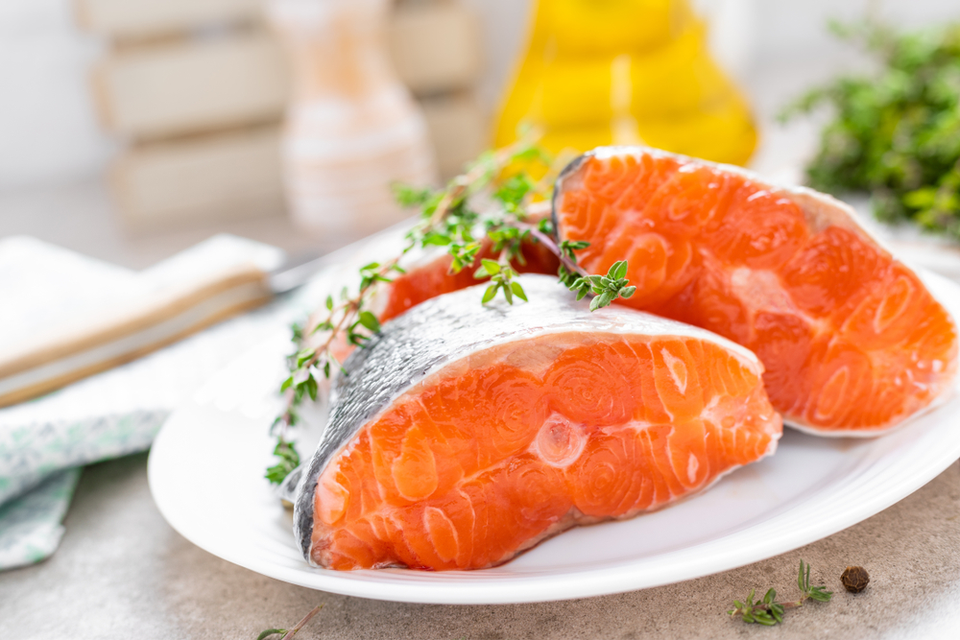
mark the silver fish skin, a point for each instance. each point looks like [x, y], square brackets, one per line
[445, 329]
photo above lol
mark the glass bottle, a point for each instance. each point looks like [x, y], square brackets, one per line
[351, 127]
[600, 72]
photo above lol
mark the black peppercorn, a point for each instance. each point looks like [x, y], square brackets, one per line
[855, 579]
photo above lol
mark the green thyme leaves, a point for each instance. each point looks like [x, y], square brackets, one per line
[814, 593]
[493, 232]
[767, 611]
[288, 460]
[896, 133]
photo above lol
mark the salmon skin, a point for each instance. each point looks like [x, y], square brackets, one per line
[852, 341]
[463, 434]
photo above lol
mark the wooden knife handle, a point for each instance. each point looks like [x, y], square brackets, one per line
[133, 328]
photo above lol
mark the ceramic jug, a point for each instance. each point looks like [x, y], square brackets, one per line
[351, 127]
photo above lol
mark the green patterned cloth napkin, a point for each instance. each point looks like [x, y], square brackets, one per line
[30, 528]
[45, 442]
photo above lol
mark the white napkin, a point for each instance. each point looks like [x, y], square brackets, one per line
[44, 442]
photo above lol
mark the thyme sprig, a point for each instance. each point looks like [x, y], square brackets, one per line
[495, 199]
[606, 288]
[286, 634]
[767, 611]
[348, 319]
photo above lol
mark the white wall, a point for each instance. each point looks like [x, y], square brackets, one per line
[792, 27]
[48, 131]
[47, 126]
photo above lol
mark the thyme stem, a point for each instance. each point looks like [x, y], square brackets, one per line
[447, 220]
[462, 183]
[768, 612]
[349, 310]
[303, 621]
[552, 246]
[289, 633]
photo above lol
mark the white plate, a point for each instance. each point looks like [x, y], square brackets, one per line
[206, 475]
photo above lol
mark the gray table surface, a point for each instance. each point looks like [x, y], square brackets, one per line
[122, 572]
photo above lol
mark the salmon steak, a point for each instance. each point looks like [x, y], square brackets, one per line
[463, 434]
[431, 276]
[852, 341]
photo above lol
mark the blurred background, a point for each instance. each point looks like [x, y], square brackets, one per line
[133, 129]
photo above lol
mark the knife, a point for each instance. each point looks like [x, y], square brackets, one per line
[82, 347]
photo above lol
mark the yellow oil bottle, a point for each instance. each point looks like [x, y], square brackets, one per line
[599, 72]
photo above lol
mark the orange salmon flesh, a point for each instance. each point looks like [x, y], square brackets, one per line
[508, 446]
[852, 341]
[435, 278]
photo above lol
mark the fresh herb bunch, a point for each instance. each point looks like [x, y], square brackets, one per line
[451, 218]
[767, 611]
[895, 134]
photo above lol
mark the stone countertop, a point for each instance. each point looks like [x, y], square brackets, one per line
[123, 572]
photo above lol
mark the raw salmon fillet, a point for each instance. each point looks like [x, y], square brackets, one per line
[464, 434]
[432, 277]
[852, 341]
